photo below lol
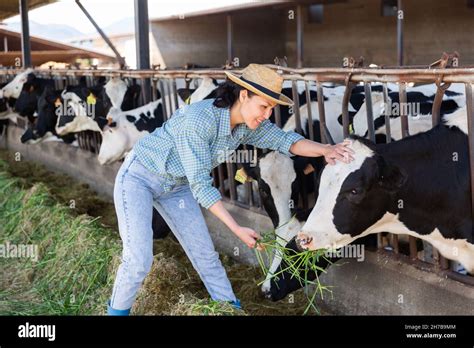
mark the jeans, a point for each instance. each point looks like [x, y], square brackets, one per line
[136, 189]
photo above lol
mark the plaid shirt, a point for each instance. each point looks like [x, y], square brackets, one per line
[191, 143]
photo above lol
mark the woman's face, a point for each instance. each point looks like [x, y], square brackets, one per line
[254, 109]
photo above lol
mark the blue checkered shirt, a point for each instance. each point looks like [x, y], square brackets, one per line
[186, 148]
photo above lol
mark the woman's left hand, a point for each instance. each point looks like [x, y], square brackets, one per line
[340, 152]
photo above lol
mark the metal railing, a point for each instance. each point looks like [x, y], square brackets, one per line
[165, 82]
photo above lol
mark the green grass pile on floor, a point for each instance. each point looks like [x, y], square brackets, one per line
[79, 254]
[75, 261]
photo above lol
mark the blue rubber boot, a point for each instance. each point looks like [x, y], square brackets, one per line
[118, 312]
[236, 304]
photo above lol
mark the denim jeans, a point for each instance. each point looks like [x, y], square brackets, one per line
[135, 191]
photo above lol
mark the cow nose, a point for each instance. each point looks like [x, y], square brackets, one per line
[303, 241]
[267, 293]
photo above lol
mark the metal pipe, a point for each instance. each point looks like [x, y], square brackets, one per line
[120, 59]
[345, 108]
[143, 43]
[276, 110]
[470, 126]
[25, 35]
[296, 106]
[299, 36]
[175, 94]
[163, 99]
[400, 18]
[5, 44]
[387, 113]
[310, 114]
[230, 53]
[402, 92]
[322, 114]
[370, 114]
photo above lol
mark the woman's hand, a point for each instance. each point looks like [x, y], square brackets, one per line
[248, 236]
[339, 152]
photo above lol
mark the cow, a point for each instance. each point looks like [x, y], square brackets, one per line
[44, 128]
[119, 136]
[419, 186]
[126, 127]
[6, 108]
[14, 87]
[83, 108]
[420, 97]
[207, 90]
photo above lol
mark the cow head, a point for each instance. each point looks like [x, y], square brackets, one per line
[27, 101]
[44, 127]
[117, 140]
[116, 94]
[353, 199]
[276, 176]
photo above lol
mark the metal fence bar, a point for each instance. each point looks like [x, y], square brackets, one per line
[163, 99]
[296, 106]
[345, 107]
[370, 113]
[322, 114]
[387, 113]
[277, 113]
[470, 126]
[310, 113]
[405, 132]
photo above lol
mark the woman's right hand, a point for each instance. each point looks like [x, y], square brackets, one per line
[248, 236]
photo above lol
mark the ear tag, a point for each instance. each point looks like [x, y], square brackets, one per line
[241, 176]
[57, 102]
[91, 99]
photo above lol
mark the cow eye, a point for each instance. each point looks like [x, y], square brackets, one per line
[354, 191]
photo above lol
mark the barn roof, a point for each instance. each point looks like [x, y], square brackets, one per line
[44, 50]
[10, 8]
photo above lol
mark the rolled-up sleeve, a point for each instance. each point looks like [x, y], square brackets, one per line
[195, 155]
[269, 136]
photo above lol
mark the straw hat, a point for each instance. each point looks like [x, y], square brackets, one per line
[262, 81]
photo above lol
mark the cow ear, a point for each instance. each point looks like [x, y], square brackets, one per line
[392, 178]
[185, 93]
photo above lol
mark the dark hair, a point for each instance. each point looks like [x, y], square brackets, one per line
[228, 93]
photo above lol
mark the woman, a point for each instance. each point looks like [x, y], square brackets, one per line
[172, 167]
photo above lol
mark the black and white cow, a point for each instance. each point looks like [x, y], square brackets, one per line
[43, 129]
[27, 102]
[127, 128]
[419, 186]
[420, 101]
[14, 87]
[83, 108]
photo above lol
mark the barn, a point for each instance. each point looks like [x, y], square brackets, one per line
[389, 233]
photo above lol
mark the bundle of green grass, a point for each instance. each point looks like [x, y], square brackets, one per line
[298, 265]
